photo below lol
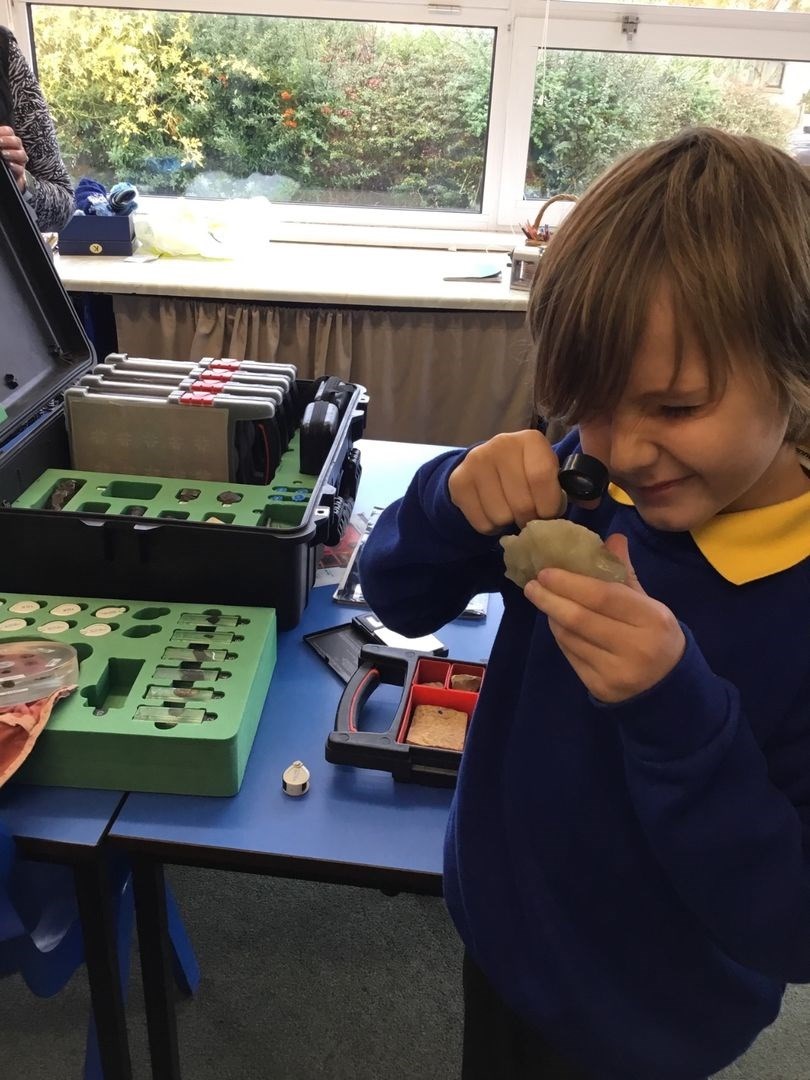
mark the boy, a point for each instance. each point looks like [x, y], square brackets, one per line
[624, 857]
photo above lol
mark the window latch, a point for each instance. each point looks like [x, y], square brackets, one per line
[629, 27]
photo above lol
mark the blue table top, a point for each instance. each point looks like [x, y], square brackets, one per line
[353, 824]
[45, 816]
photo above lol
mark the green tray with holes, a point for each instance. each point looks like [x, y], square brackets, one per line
[282, 504]
[169, 695]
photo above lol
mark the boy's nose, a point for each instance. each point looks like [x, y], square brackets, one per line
[630, 450]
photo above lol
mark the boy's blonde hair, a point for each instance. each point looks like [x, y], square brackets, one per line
[724, 220]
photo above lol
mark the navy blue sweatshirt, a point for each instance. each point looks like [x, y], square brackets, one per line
[631, 878]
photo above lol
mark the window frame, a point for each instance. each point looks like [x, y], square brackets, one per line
[519, 33]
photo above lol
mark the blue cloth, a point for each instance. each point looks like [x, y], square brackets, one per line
[631, 878]
[92, 197]
[122, 198]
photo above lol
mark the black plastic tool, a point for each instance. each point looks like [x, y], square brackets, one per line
[583, 477]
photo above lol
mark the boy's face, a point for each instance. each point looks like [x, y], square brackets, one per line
[683, 457]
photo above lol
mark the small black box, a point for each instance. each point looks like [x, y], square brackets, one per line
[87, 234]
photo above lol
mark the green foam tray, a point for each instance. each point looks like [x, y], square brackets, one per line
[101, 736]
[282, 504]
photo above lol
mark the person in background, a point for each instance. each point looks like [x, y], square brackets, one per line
[628, 850]
[28, 140]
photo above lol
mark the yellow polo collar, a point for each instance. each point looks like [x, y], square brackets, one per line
[750, 544]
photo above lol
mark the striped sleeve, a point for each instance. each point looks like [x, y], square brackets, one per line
[52, 196]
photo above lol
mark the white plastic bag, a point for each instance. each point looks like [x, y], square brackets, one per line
[223, 230]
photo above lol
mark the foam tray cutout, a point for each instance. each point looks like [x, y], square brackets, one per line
[169, 695]
[282, 504]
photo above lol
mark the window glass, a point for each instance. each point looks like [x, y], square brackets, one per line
[322, 111]
[591, 107]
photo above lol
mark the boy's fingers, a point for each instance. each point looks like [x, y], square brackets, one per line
[608, 598]
[616, 544]
[540, 468]
[576, 647]
[487, 507]
[474, 512]
[470, 497]
[520, 500]
[586, 624]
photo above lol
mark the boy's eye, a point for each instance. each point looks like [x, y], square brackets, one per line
[675, 411]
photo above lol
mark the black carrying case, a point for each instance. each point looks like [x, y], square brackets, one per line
[44, 351]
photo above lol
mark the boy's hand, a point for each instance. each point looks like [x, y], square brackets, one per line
[510, 479]
[617, 639]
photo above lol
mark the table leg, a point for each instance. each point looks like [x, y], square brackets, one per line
[103, 971]
[156, 967]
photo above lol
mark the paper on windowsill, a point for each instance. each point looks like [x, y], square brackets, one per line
[478, 271]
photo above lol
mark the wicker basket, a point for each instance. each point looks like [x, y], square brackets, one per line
[538, 221]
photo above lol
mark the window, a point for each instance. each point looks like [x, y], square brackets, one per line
[369, 114]
[462, 114]
[592, 107]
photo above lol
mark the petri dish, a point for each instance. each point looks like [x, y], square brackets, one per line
[30, 670]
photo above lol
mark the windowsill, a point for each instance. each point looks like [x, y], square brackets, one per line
[321, 274]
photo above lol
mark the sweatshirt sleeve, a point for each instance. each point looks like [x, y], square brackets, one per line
[52, 195]
[729, 826]
[423, 560]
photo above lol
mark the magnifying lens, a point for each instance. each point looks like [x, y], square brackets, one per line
[583, 477]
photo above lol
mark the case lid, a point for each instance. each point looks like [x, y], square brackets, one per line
[44, 347]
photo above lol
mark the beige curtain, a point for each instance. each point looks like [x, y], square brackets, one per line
[444, 377]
